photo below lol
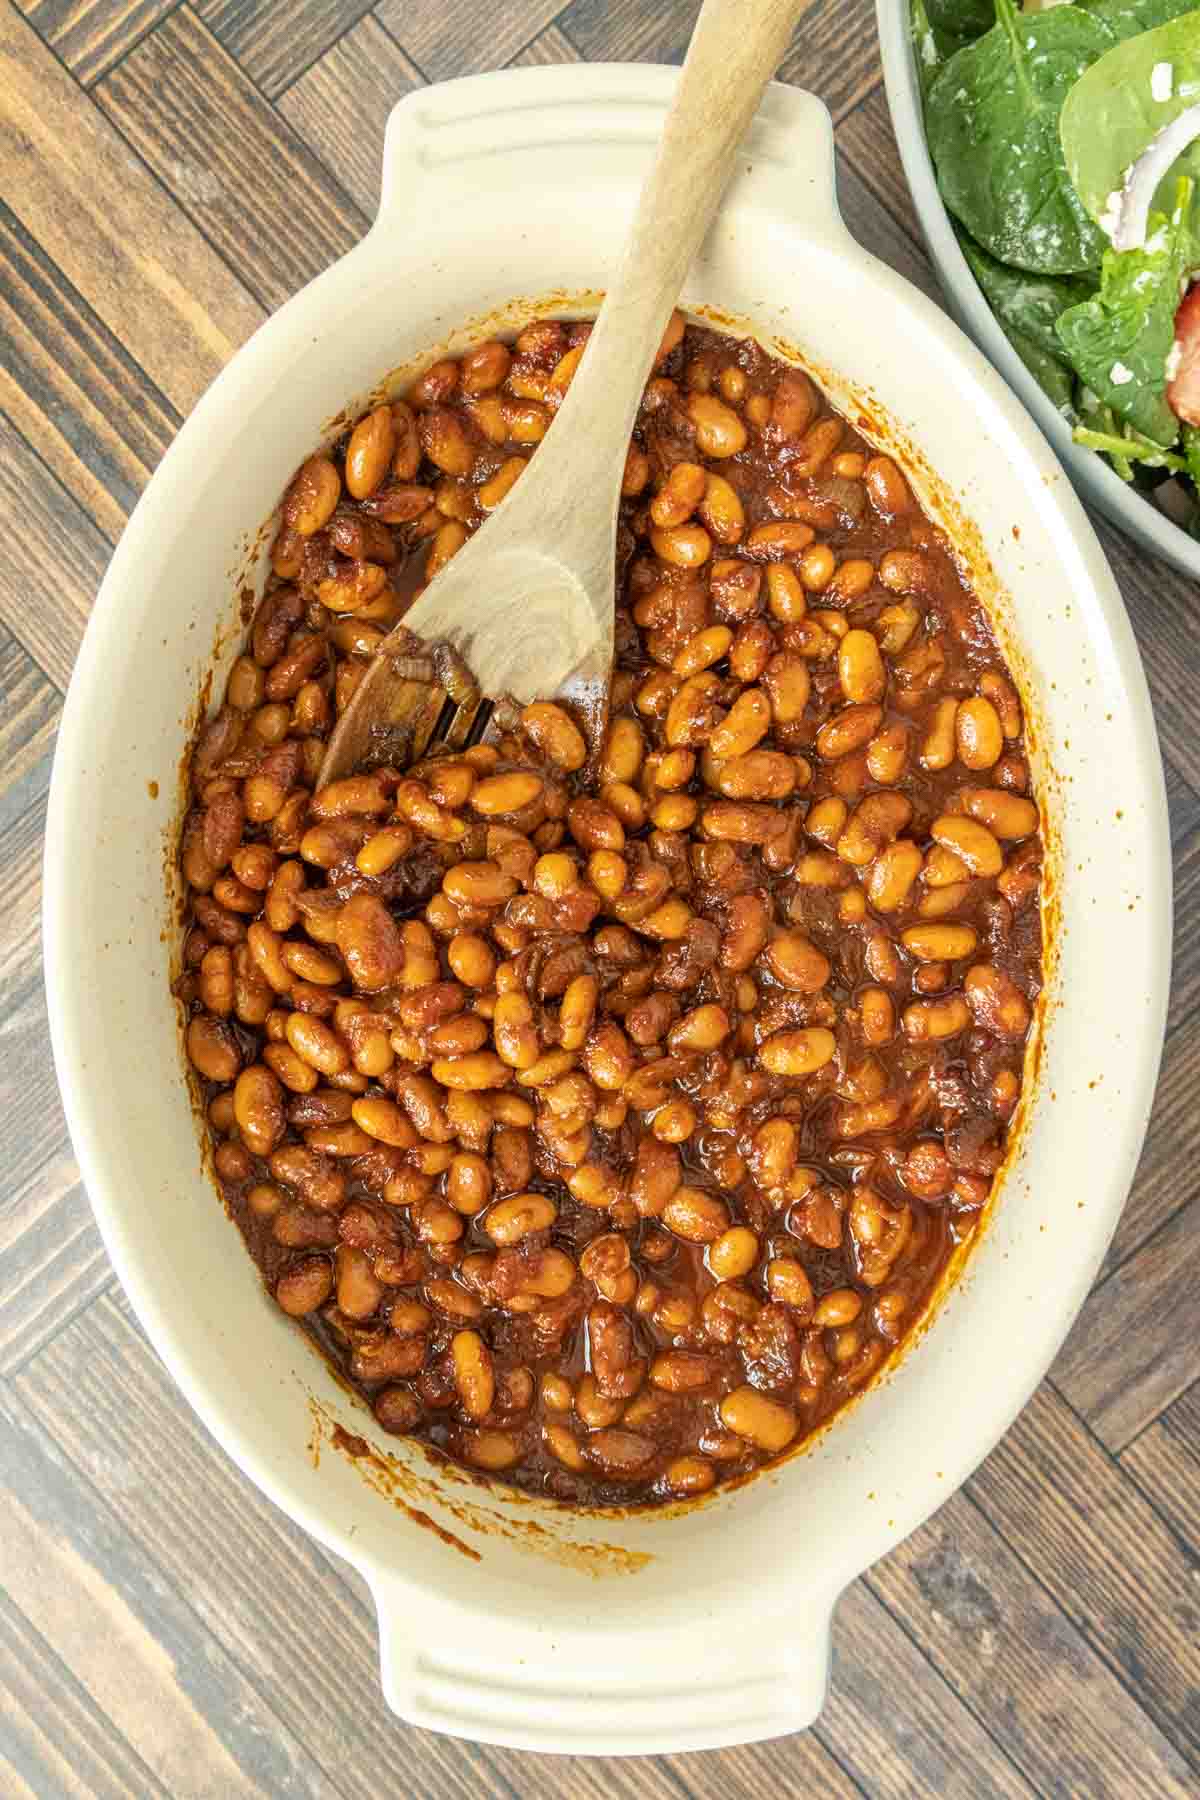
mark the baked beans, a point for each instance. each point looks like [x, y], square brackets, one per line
[608, 1124]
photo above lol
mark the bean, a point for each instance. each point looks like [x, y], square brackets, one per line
[258, 1109]
[478, 1070]
[733, 1254]
[939, 943]
[621, 1455]
[797, 1052]
[370, 943]
[788, 1284]
[848, 730]
[892, 875]
[938, 749]
[515, 1218]
[682, 1371]
[696, 1216]
[970, 841]
[474, 1373]
[556, 735]
[304, 1286]
[369, 453]
[719, 431]
[796, 963]
[996, 1002]
[860, 667]
[689, 1475]
[213, 1049]
[977, 733]
[1006, 816]
[887, 487]
[928, 1020]
[767, 1424]
[492, 1450]
[309, 502]
[499, 794]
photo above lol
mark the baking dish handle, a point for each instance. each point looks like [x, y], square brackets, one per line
[560, 117]
[513, 1682]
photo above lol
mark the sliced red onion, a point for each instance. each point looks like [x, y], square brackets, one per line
[1141, 183]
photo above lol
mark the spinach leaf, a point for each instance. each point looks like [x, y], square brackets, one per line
[1118, 341]
[1050, 372]
[1029, 303]
[1126, 18]
[992, 121]
[1110, 115]
[930, 49]
[962, 19]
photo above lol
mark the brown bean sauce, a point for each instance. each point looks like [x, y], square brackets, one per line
[609, 1127]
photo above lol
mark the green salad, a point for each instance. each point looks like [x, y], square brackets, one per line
[1066, 140]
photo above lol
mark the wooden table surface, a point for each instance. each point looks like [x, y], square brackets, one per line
[169, 173]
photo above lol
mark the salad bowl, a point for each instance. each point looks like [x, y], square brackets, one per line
[1105, 93]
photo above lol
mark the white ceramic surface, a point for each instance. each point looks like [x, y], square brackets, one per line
[1098, 483]
[499, 187]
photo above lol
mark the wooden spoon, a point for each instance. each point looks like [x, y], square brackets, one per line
[527, 603]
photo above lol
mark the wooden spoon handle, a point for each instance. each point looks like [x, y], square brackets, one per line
[735, 50]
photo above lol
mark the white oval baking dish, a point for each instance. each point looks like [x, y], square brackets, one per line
[572, 1632]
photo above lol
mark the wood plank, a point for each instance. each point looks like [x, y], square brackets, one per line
[866, 139]
[88, 36]
[54, 558]
[835, 53]
[53, 1740]
[1165, 1463]
[252, 1579]
[1162, 606]
[1001, 1642]
[94, 1595]
[71, 388]
[1133, 1346]
[833, 49]
[1101, 1552]
[1183, 805]
[1185, 958]
[339, 106]
[258, 194]
[547, 48]
[29, 710]
[52, 1259]
[275, 41]
[1166, 1175]
[896, 1728]
[444, 41]
[787, 1766]
[137, 260]
[799, 1764]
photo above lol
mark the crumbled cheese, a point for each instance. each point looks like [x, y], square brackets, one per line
[1162, 81]
[1119, 374]
[1174, 358]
